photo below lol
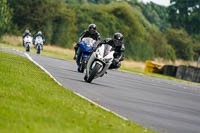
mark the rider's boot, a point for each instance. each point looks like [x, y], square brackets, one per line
[75, 56]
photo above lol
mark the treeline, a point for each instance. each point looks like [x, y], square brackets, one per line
[5, 17]
[148, 33]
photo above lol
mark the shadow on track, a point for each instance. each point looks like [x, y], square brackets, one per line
[86, 82]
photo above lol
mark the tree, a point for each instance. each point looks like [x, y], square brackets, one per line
[185, 14]
[31, 13]
[181, 42]
[5, 16]
[161, 47]
[49, 16]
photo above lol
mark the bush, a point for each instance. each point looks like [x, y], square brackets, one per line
[64, 29]
[141, 51]
[5, 16]
[51, 17]
[160, 46]
[181, 42]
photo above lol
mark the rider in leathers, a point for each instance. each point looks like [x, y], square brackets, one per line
[39, 33]
[26, 33]
[91, 32]
[117, 43]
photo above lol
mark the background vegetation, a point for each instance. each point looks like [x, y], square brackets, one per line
[150, 30]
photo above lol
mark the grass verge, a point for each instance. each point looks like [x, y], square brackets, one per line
[31, 102]
[51, 51]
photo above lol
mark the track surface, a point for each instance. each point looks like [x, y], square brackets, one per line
[164, 105]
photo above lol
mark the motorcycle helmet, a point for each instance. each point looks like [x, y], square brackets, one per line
[40, 32]
[92, 28]
[117, 39]
[27, 31]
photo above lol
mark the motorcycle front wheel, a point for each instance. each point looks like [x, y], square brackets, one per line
[93, 72]
[38, 49]
[83, 65]
[27, 48]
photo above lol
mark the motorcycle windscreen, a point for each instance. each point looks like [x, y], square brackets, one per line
[107, 50]
[28, 39]
[39, 40]
[89, 41]
[85, 47]
[87, 44]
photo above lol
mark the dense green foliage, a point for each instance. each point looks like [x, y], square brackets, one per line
[181, 42]
[161, 47]
[185, 14]
[154, 13]
[143, 25]
[5, 16]
[52, 17]
[96, 1]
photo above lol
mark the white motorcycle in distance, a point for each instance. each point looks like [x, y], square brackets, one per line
[28, 41]
[39, 44]
[99, 62]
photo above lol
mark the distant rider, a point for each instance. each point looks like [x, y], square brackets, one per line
[26, 33]
[117, 43]
[39, 33]
[91, 32]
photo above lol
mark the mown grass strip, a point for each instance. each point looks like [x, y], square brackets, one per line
[48, 51]
[31, 102]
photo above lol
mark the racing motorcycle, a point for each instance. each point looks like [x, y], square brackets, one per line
[28, 41]
[39, 44]
[99, 62]
[85, 51]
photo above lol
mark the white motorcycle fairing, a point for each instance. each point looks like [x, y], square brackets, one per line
[102, 56]
[38, 41]
[38, 44]
[28, 41]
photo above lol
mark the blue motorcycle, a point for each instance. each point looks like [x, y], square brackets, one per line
[84, 52]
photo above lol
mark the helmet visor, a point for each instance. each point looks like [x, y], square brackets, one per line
[92, 30]
[117, 42]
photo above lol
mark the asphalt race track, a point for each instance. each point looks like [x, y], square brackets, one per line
[164, 105]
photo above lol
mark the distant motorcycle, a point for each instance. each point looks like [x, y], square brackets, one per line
[85, 51]
[39, 44]
[99, 62]
[28, 41]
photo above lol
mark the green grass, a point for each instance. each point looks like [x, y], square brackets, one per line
[55, 54]
[140, 71]
[31, 102]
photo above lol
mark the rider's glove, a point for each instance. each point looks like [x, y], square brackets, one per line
[94, 48]
[116, 60]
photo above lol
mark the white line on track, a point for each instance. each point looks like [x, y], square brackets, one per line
[29, 57]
